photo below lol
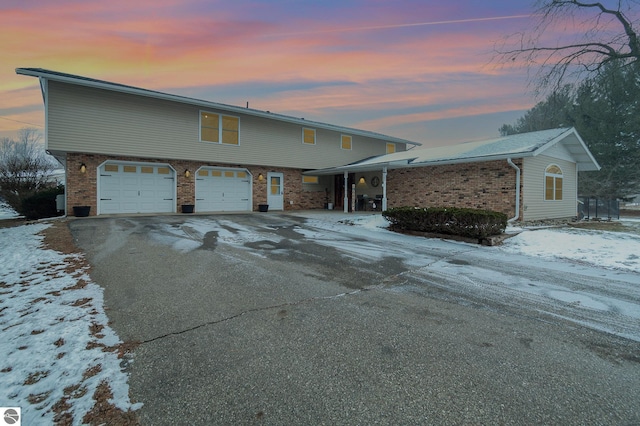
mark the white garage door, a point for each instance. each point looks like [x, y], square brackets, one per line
[136, 188]
[223, 190]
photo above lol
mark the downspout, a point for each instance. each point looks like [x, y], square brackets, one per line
[517, 190]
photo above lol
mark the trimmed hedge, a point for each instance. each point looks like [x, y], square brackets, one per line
[471, 223]
[41, 204]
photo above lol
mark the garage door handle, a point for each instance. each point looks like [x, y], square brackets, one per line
[197, 199]
[105, 175]
[168, 199]
[105, 199]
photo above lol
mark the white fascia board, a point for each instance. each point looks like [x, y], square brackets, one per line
[116, 87]
[357, 168]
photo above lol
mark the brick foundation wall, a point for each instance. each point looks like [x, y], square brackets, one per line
[488, 185]
[82, 187]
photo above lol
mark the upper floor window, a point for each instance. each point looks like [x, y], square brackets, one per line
[345, 142]
[553, 183]
[219, 128]
[391, 148]
[308, 136]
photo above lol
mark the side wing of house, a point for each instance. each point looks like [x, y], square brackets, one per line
[550, 185]
[96, 121]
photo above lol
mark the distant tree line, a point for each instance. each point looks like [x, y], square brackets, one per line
[603, 99]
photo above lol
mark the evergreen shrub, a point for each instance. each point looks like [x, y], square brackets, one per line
[464, 222]
[41, 204]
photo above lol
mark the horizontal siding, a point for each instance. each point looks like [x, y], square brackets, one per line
[89, 120]
[534, 205]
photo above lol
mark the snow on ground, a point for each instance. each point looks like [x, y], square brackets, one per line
[614, 250]
[7, 212]
[606, 249]
[55, 337]
[49, 353]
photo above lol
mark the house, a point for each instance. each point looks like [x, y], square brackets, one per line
[529, 176]
[132, 150]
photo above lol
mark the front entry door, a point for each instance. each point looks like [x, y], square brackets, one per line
[275, 191]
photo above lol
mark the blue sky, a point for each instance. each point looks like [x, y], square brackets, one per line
[419, 70]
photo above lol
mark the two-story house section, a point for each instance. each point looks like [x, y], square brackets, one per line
[132, 150]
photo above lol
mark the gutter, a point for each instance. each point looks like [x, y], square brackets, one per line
[517, 169]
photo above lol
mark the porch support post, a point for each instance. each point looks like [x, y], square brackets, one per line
[346, 192]
[384, 188]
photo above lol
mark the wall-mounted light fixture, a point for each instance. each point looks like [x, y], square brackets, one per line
[362, 180]
[187, 173]
[83, 168]
[260, 177]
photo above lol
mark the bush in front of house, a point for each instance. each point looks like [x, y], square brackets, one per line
[464, 222]
[41, 204]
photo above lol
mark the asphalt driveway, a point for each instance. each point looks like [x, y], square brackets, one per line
[260, 318]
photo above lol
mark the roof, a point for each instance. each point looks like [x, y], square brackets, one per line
[116, 87]
[512, 146]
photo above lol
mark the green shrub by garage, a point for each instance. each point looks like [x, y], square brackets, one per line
[463, 222]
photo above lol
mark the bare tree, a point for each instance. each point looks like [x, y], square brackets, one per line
[608, 32]
[24, 167]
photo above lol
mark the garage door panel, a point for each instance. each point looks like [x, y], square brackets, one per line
[136, 189]
[223, 190]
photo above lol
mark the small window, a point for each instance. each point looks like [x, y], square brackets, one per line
[309, 136]
[553, 178]
[217, 128]
[164, 170]
[216, 173]
[345, 142]
[146, 169]
[230, 130]
[111, 168]
[391, 148]
[310, 179]
[229, 174]
[241, 175]
[130, 169]
[209, 127]
[203, 172]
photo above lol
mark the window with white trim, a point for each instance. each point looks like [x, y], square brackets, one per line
[345, 142]
[219, 128]
[309, 136]
[553, 183]
[391, 148]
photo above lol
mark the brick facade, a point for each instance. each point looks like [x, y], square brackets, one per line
[82, 187]
[487, 185]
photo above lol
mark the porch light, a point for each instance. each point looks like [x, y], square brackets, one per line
[187, 173]
[260, 177]
[83, 168]
[361, 180]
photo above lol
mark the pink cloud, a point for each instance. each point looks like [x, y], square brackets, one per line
[392, 66]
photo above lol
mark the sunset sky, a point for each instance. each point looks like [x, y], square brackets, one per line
[414, 69]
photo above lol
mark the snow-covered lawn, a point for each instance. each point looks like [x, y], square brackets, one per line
[607, 249]
[57, 351]
[7, 212]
